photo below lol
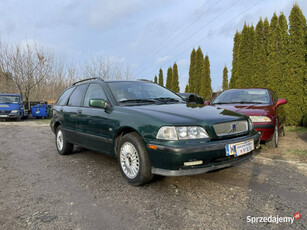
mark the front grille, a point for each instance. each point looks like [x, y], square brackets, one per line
[4, 112]
[230, 128]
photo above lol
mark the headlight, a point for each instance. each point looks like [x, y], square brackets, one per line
[181, 133]
[14, 111]
[260, 119]
[250, 124]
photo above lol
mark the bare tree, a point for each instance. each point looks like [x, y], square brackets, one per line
[34, 73]
[97, 66]
[28, 66]
[103, 67]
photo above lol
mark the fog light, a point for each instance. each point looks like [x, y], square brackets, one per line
[191, 163]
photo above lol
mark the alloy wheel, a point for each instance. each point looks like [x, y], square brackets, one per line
[129, 160]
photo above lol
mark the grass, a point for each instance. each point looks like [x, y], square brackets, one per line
[297, 129]
[42, 121]
[302, 152]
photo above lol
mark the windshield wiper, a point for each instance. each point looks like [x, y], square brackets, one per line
[221, 103]
[166, 99]
[247, 102]
[237, 102]
[137, 101]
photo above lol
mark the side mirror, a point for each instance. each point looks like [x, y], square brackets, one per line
[98, 103]
[281, 102]
[207, 103]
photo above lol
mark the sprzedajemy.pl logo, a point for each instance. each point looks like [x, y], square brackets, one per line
[273, 219]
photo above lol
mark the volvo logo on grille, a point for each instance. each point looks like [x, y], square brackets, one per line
[233, 127]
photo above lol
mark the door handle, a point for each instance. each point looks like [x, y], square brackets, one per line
[79, 111]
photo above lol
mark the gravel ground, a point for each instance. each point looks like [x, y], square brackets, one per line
[40, 189]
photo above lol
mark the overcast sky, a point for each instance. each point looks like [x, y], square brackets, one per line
[143, 34]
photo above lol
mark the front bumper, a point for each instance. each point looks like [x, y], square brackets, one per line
[232, 161]
[169, 160]
[9, 116]
[267, 131]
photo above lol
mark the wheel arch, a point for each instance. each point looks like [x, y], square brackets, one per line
[56, 125]
[120, 133]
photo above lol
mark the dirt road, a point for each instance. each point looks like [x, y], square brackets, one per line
[39, 189]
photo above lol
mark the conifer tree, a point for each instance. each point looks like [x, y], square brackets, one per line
[160, 77]
[199, 70]
[156, 80]
[225, 78]
[192, 71]
[245, 70]
[266, 27]
[206, 90]
[169, 78]
[235, 50]
[274, 71]
[296, 61]
[175, 79]
[305, 83]
[186, 90]
[260, 56]
[283, 42]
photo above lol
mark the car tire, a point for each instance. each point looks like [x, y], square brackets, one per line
[133, 160]
[274, 142]
[62, 145]
[18, 118]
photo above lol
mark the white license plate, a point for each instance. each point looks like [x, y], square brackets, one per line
[239, 149]
[3, 115]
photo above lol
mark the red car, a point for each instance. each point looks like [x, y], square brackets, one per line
[262, 106]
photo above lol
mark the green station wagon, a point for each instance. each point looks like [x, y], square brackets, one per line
[150, 129]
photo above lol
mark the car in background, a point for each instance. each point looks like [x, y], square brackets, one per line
[12, 107]
[150, 129]
[262, 106]
[192, 98]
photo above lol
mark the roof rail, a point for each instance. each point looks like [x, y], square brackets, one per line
[88, 79]
[144, 80]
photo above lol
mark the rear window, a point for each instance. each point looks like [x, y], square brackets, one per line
[76, 97]
[64, 97]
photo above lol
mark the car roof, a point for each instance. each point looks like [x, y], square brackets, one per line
[84, 81]
[111, 81]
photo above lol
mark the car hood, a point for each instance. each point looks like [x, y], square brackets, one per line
[185, 114]
[248, 109]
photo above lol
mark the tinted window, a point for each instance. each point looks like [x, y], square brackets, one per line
[63, 98]
[93, 91]
[76, 97]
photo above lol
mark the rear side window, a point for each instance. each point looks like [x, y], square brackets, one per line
[76, 97]
[63, 98]
[93, 91]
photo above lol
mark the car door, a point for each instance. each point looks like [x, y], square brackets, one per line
[70, 113]
[92, 123]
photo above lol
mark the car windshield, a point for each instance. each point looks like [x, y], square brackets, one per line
[135, 92]
[5, 99]
[244, 96]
